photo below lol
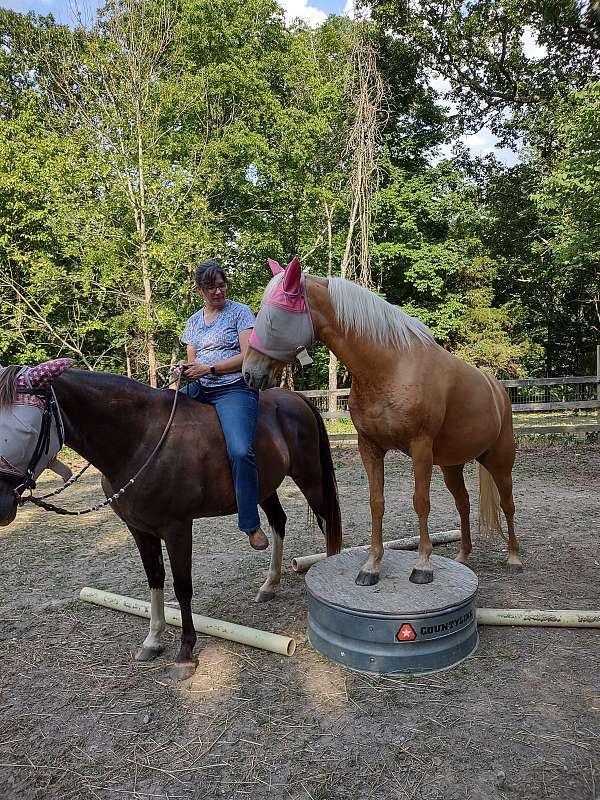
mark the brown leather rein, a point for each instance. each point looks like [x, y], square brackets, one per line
[40, 501]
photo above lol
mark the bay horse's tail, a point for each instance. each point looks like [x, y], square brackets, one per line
[333, 516]
[489, 504]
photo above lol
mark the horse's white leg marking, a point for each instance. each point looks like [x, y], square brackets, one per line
[157, 620]
[267, 590]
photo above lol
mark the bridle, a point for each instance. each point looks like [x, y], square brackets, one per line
[51, 410]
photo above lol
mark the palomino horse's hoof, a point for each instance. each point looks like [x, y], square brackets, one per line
[148, 653]
[264, 597]
[421, 576]
[367, 578]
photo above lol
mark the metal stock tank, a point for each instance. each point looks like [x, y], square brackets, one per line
[394, 626]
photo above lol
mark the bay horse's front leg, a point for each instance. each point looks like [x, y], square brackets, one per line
[372, 457]
[179, 547]
[150, 549]
[421, 453]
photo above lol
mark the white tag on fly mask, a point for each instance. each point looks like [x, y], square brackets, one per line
[303, 357]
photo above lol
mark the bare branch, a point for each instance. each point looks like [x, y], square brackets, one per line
[368, 97]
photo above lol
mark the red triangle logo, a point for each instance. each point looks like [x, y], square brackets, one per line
[406, 633]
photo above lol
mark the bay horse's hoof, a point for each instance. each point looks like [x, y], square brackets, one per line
[264, 597]
[421, 576]
[367, 578]
[514, 568]
[148, 653]
[182, 670]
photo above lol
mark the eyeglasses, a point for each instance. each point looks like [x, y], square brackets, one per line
[220, 287]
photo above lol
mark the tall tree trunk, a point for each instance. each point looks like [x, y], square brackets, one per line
[149, 333]
[367, 94]
[128, 362]
[333, 362]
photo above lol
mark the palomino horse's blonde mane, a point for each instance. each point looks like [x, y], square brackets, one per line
[371, 316]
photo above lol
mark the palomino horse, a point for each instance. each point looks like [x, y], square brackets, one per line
[408, 394]
[115, 423]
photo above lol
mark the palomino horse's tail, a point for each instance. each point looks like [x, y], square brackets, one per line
[333, 516]
[489, 504]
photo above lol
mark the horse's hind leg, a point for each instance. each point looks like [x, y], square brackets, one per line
[503, 481]
[151, 553]
[277, 519]
[310, 484]
[455, 481]
[499, 461]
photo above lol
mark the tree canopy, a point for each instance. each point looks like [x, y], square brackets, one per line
[169, 132]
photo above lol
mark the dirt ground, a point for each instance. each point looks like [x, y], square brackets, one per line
[79, 718]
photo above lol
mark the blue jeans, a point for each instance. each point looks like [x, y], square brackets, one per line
[237, 408]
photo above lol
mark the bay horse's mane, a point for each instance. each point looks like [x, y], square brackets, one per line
[105, 380]
[370, 316]
[110, 379]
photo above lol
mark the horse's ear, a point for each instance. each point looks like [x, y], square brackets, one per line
[292, 277]
[45, 373]
[275, 266]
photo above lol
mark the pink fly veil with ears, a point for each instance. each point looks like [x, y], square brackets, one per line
[284, 318]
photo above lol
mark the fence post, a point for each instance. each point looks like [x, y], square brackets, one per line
[598, 384]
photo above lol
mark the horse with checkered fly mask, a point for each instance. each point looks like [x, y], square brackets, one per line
[115, 423]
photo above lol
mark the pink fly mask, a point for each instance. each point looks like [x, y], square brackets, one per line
[283, 325]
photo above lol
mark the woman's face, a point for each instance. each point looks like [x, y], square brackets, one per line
[215, 294]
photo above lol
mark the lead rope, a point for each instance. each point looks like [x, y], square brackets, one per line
[74, 478]
[39, 501]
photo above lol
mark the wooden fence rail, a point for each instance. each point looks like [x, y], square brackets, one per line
[528, 395]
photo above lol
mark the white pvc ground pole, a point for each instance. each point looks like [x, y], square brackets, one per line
[539, 618]
[264, 640]
[303, 563]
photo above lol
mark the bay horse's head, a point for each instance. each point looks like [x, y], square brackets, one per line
[283, 327]
[24, 392]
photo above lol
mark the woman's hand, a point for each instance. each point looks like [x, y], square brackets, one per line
[194, 371]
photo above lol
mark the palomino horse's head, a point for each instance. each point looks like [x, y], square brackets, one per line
[283, 327]
[30, 433]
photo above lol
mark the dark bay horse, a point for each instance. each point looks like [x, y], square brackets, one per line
[115, 423]
[407, 394]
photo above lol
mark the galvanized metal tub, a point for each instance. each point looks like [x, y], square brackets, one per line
[394, 626]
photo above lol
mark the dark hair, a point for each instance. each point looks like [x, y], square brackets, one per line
[207, 273]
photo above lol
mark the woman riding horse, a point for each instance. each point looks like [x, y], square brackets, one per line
[216, 337]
